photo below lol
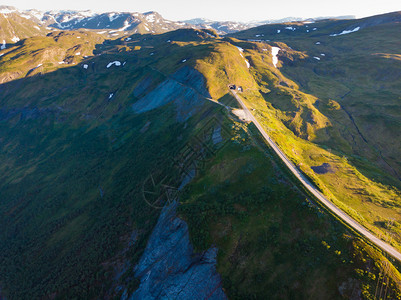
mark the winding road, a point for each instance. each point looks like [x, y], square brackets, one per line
[311, 188]
[305, 182]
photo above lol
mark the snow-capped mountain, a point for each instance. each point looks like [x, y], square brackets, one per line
[16, 25]
[225, 27]
[113, 24]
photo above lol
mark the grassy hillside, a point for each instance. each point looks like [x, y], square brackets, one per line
[340, 109]
[14, 27]
[75, 155]
[46, 54]
[273, 242]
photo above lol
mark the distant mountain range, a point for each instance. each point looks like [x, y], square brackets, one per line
[115, 24]
[128, 169]
[225, 27]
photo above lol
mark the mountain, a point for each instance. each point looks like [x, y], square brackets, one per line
[223, 27]
[227, 27]
[337, 94]
[16, 26]
[112, 24]
[310, 28]
[129, 170]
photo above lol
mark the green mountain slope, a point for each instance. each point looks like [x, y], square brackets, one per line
[80, 141]
[39, 55]
[339, 97]
[15, 27]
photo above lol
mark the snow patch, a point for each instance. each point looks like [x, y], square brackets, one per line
[317, 43]
[87, 13]
[15, 39]
[184, 60]
[346, 31]
[111, 95]
[112, 17]
[322, 54]
[278, 30]
[36, 27]
[7, 11]
[240, 53]
[240, 49]
[3, 46]
[61, 62]
[126, 25]
[315, 57]
[85, 66]
[37, 14]
[78, 53]
[150, 18]
[290, 28]
[275, 51]
[128, 39]
[117, 63]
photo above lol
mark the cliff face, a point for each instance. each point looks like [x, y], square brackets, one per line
[185, 88]
[169, 268]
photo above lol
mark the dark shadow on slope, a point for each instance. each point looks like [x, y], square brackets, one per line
[72, 164]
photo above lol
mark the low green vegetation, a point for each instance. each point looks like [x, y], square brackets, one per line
[272, 240]
[341, 110]
[15, 27]
[74, 158]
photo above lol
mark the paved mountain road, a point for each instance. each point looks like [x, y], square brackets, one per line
[308, 185]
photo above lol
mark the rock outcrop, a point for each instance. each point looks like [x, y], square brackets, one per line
[169, 268]
[185, 88]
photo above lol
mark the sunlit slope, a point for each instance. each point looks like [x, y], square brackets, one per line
[14, 27]
[40, 55]
[340, 102]
[79, 139]
[74, 158]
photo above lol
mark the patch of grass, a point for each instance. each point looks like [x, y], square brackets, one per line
[263, 227]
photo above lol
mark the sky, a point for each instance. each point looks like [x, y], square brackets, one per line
[223, 10]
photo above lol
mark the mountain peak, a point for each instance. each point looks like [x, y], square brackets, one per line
[4, 9]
